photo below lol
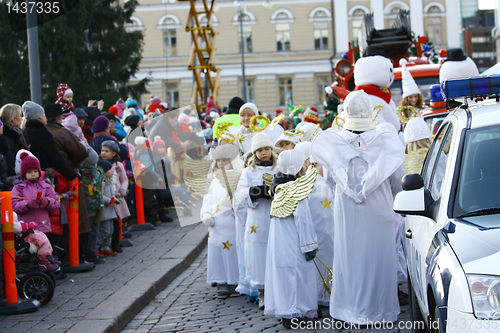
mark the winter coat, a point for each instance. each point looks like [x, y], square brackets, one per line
[108, 193]
[121, 184]
[44, 147]
[29, 190]
[119, 130]
[99, 138]
[4, 150]
[71, 122]
[166, 132]
[60, 217]
[69, 143]
[92, 176]
[16, 142]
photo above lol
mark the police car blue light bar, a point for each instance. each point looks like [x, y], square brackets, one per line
[477, 86]
[436, 95]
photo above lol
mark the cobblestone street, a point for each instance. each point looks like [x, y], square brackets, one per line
[189, 304]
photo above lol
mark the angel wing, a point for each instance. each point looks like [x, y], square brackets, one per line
[288, 195]
[232, 179]
[268, 179]
[199, 168]
[199, 185]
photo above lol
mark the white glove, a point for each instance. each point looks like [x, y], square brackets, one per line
[208, 220]
[226, 202]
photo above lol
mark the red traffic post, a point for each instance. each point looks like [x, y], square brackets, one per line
[13, 306]
[123, 242]
[139, 202]
[74, 234]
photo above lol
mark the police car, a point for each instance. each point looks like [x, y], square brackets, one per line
[452, 216]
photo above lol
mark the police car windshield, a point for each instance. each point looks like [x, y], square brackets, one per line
[479, 180]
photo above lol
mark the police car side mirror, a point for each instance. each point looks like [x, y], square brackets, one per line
[414, 199]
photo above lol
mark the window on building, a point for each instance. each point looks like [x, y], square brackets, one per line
[356, 22]
[250, 87]
[321, 83]
[320, 25]
[282, 21]
[247, 35]
[169, 42]
[172, 91]
[433, 26]
[283, 37]
[285, 91]
[320, 35]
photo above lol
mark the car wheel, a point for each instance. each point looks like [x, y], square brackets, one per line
[415, 313]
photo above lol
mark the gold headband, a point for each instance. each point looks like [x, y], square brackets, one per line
[258, 128]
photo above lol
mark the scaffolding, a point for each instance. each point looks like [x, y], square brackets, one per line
[202, 56]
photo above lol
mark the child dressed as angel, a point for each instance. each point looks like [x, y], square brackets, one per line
[291, 290]
[217, 213]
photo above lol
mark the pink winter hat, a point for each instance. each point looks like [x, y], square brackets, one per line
[29, 163]
[155, 100]
[183, 119]
[158, 141]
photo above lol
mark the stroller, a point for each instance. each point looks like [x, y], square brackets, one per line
[31, 282]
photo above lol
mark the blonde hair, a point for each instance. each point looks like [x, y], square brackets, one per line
[248, 109]
[420, 102]
[9, 112]
[253, 158]
[419, 144]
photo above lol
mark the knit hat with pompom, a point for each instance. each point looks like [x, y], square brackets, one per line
[28, 163]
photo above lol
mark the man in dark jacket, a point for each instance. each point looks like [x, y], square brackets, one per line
[42, 142]
[76, 152]
[65, 140]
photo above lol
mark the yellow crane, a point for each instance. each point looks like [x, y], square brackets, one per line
[202, 56]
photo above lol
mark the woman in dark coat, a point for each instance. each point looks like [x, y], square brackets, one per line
[11, 116]
[43, 145]
[4, 148]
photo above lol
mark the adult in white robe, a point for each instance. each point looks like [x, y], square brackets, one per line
[366, 166]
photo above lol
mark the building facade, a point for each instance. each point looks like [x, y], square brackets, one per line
[289, 48]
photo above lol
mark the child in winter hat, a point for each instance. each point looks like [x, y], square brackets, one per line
[34, 198]
[218, 215]
[287, 141]
[65, 97]
[70, 121]
[411, 93]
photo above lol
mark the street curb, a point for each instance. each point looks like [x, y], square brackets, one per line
[113, 315]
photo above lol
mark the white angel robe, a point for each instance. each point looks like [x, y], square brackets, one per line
[291, 290]
[256, 227]
[367, 170]
[321, 205]
[222, 261]
[240, 214]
